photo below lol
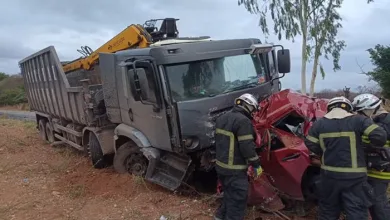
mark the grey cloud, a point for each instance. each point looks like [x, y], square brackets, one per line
[33, 25]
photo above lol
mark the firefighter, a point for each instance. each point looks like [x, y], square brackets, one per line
[337, 137]
[378, 176]
[235, 149]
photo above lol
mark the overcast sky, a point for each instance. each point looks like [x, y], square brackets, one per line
[30, 25]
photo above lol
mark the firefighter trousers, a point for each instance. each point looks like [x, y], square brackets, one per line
[380, 209]
[235, 194]
[353, 196]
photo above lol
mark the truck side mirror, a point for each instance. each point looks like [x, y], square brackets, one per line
[284, 63]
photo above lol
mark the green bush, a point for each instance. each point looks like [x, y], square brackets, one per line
[13, 96]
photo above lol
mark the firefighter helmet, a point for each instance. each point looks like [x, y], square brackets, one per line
[248, 99]
[366, 102]
[339, 102]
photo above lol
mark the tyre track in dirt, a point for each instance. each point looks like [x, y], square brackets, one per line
[42, 182]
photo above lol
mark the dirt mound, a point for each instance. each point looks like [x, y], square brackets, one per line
[42, 182]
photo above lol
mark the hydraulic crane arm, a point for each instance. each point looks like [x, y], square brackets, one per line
[132, 36]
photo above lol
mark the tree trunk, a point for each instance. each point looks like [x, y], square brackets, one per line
[314, 75]
[304, 60]
[303, 22]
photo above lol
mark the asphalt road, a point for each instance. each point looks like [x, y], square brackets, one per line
[20, 115]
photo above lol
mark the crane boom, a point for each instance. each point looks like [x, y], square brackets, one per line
[134, 36]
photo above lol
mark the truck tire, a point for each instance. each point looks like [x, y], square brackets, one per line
[95, 152]
[129, 159]
[42, 129]
[49, 132]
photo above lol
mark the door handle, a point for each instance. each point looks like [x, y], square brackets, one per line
[293, 156]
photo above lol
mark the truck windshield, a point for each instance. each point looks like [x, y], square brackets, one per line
[207, 78]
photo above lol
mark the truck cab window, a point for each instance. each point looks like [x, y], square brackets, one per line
[212, 77]
[152, 85]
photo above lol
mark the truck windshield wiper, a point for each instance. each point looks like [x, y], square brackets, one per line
[249, 85]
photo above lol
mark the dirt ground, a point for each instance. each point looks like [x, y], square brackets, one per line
[38, 181]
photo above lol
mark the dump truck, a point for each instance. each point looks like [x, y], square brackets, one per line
[153, 114]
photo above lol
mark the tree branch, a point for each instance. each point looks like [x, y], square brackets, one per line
[361, 67]
[315, 8]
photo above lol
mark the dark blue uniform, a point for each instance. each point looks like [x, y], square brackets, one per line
[379, 180]
[343, 166]
[235, 149]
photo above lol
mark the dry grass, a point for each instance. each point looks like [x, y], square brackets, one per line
[18, 107]
[42, 182]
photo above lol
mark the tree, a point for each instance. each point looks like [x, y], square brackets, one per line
[3, 76]
[380, 58]
[295, 17]
[325, 22]
[290, 19]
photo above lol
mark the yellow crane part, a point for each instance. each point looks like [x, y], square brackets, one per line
[134, 36]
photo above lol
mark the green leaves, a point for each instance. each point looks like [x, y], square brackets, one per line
[317, 21]
[3, 76]
[322, 71]
[283, 13]
[380, 58]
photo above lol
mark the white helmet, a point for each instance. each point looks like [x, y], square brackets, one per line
[248, 99]
[339, 102]
[366, 102]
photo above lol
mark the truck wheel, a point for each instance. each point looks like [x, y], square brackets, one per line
[42, 129]
[49, 132]
[95, 152]
[129, 159]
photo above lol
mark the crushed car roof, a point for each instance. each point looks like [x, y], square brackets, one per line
[286, 101]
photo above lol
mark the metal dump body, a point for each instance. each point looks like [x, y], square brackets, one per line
[48, 90]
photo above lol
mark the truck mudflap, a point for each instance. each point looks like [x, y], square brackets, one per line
[165, 168]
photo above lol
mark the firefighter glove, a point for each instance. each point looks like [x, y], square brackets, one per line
[257, 172]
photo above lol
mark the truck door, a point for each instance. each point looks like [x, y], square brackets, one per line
[273, 71]
[147, 112]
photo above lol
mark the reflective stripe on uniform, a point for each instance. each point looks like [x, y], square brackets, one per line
[369, 129]
[367, 141]
[253, 158]
[378, 174]
[230, 164]
[312, 139]
[352, 140]
[245, 137]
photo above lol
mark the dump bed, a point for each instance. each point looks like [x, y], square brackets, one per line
[48, 89]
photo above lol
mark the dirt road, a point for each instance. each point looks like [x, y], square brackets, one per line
[17, 114]
[42, 182]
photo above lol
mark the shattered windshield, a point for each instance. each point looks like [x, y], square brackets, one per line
[209, 78]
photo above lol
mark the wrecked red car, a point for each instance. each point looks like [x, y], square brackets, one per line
[290, 171]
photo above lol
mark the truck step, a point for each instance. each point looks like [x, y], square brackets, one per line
[168, 171]
[78, 147]
[175, 161]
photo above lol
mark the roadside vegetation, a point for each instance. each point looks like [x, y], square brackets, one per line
[12, 92]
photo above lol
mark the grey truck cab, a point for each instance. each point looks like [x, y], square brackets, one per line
[165, 99]
[154, 108]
